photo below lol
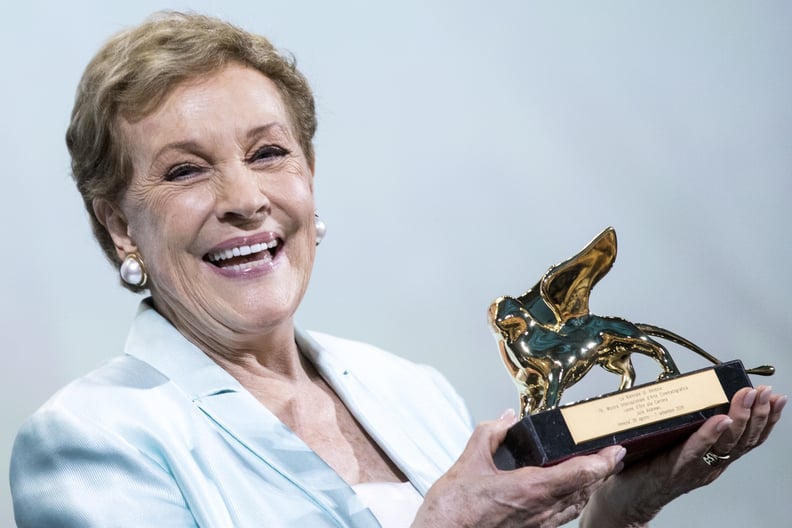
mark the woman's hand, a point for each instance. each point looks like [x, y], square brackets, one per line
[475, 493]
[633, 498]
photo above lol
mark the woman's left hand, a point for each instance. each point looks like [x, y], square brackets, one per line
[634, 496]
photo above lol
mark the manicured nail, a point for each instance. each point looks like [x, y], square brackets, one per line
[765, 396]
[508, 414]
[748, 401]
[780, 404]
[723, 425]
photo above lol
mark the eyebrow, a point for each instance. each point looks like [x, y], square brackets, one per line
[193, 146]
[189, 146]
[263, 129]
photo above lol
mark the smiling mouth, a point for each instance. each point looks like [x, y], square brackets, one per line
[242, 258]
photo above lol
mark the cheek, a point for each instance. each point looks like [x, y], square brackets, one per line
[299, 176]
[167, 222]
[293, 197]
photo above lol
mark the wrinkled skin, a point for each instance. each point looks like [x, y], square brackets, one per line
[633, 497]
[474, 493]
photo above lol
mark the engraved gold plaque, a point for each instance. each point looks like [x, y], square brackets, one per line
[643, 406]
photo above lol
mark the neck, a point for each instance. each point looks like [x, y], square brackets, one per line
[271, 354]
[264, 361]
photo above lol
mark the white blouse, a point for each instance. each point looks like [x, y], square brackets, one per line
[394, 504]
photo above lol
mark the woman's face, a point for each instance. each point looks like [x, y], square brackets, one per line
[220, 207]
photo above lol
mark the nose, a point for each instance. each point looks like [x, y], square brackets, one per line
[239, 195]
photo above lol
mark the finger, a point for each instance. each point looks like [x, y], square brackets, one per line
[740, 413]
[581, 472]
[486, 438]
[706, 437]
[616, 453]
[760, 412]
[508, 415]
[571, 508]
[777, 404]
[500, 427]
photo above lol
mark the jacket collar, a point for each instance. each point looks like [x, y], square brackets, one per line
[219, 395]
[234, 409]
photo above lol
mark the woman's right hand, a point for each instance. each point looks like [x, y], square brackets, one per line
[475, 493]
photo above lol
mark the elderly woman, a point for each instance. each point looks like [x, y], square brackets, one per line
[191, 143]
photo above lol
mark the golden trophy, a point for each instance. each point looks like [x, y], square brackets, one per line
[549, 340]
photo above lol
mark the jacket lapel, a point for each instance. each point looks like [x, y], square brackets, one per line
[236, 411]
[396, 431]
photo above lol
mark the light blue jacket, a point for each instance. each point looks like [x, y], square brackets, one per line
[162, 436]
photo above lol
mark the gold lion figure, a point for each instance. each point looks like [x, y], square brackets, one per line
[549, 340]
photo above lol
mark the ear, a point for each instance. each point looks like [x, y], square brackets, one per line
[113, 219]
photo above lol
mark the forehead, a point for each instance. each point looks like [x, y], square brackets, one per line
[234, 99]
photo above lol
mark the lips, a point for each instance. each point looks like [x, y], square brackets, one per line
[244, 257]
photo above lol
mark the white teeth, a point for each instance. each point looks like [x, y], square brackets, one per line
[226, 254]
[252, 264]
[220, 255]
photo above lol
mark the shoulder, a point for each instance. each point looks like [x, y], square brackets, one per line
[72, 456]
[107, 409]
[125, 404]
[124, 382]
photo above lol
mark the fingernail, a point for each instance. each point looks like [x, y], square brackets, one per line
[780, 404]
[619, 455]
[765, 396]
[723, 425]
[508, 414]
[749, 399]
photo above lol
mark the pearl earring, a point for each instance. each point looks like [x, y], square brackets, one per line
[132, 271]
[321, 228]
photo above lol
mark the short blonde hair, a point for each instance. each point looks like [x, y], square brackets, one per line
[136, 69]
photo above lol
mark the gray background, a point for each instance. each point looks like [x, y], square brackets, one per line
[463, 148]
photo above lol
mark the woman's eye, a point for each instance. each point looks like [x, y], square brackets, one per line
[181, 172]
[268, 152]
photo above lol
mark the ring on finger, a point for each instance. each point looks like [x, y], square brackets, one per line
[714, 459]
